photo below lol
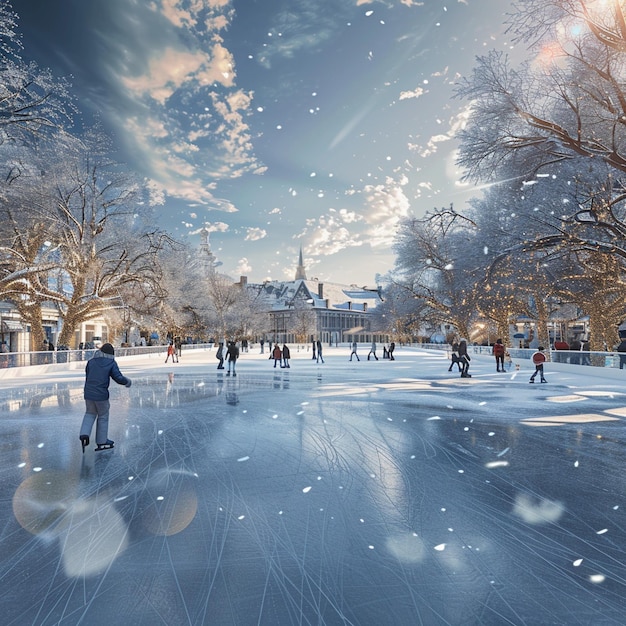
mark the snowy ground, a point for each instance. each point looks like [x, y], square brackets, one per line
[371, 493]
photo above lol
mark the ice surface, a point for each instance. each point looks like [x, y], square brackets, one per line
[381, 492]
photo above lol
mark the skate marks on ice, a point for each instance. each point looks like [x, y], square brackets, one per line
[290, 506]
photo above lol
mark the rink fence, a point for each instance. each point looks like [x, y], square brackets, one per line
[52, 357]
[613, 360]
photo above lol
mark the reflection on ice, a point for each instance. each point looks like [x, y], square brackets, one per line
[270, 500]
[407, 547]
[537, 510]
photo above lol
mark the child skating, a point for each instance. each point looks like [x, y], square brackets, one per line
[98, 373]
[171, 352]
[539, 358]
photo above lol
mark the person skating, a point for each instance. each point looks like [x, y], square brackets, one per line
[98, 373]
[171, 352]
[353, 353]
[219, 355]
[318, 345]
[539, 358]
[233, 354]
[464, 359]
[392, 347]
[277, 355]
[372, 351]
[286, 355]
[454, 357]
[498, 352]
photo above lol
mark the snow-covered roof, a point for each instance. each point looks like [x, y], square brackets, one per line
[278, 295]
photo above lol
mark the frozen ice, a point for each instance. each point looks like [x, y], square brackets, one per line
[296, 497]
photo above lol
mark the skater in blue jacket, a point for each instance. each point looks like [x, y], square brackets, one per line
[98, 373]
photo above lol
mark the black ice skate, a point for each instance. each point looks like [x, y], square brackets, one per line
[107, 445]
[84, 441]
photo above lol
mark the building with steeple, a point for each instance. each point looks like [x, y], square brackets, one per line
[304, 310]
[300, 271]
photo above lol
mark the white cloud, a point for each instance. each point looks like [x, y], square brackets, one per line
[243, 267]
[254, 234]
[416, 93]
[387, 205]
[216, 227]
[171, 69]
[183, 116]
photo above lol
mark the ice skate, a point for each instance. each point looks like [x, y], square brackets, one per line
[107, 445]
[84, 441]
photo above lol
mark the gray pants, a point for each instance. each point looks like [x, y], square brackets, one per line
[96, 409]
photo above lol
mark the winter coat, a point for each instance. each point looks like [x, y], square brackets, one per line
[498, 349]
[462, 352]
[98, 372]
[539, 358]
[277, 354]
[286, 352]
[232, 352]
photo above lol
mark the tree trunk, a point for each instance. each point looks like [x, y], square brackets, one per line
[32, 316]
[542, 322]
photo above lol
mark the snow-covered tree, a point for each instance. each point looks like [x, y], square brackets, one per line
[556, 121]
[32, 100]
[438, 264]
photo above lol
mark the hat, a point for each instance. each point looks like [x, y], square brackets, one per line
[107, 348]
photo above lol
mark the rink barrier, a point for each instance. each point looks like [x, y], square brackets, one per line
[75, 359]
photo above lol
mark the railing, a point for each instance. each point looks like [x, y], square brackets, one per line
[573, 357]
[26, 359]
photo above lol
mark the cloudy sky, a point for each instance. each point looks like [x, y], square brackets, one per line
[277, 123]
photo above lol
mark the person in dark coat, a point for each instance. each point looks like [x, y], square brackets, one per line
[392, 347]
[464, 359]
[232, 354]
[454, 357]
[318, 345]
[286, 355]
[99, 371]
[498, 352]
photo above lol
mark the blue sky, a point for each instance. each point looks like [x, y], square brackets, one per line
[277, 123]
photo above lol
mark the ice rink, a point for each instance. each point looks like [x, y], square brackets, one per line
[365, 493]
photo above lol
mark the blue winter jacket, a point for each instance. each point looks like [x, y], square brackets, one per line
[99, 370]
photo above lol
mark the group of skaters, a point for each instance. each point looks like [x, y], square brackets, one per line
[462, 359]
[387, 351]
[281, 355]
[230, 355]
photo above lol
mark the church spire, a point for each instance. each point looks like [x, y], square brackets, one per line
[300, 272]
